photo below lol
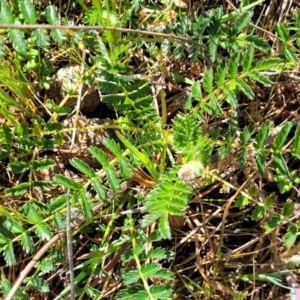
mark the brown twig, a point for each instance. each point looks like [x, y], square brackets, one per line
[109, 28]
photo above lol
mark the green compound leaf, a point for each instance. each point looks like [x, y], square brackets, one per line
[130, 277]
[208, 80]
[246, 135]
[9, 255]
[37, 283]
[259, 43]
[18, 190]
[272, 224]
[17, 38]
[262, 135]
[59, 221]
[258, 213]
[27, 243]
[164, 227]
[230, 96]
[161, 292]
[186, 134]
[296, 143]
[6, 15]
[259, 77]
[215, 105]
[43, 231]
[149, 270]
[125, 167]
[248, 58]
[290, 236]
[13, 226]
[288, 208]
[59, 36]
[241, 201]
[99, 188]
[68, 183]
[113, 146]
[261, 159]
[82, 167]
[159, 253]
[242, 158]
[99, 155]
[213, 46]
[281, 165]
[28, 11]
[268, 64]
[196, 91]
[290, 55]
[170, 197]
[241, 22]
[19, 167]
[282, 136]
[52, 15]
[113, 179]
[87, 208]
[283, 32]
[233, 66]
[41, 37]
[224, 151]
[245, 88]
[32, 214]
[43, 164]
[221, 73]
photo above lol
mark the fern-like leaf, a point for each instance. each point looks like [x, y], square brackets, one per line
[9, 255]
[43, 231]
[245, 88]
[259, 43]
[18, 41]
[52, 15]
[283, 32]
[233, 65]
[196, 91]
[170, 197]
[2, 51]
[262, 135]
[113, 179]
[268, 64]
[213, 46]
[230, 96]
[59, 36]
[41, 37]
[186, 134]
[241, 22]
[82, 167]
[99, 188]
[260, 78]
[290, 236]
[87, 209]
[221, 74]
[281, 165]
[296, 143]
[282, 136]
[261, 161]
[6, 15]
[248, 58]
[68, 183]
[215, 105]
[28, 10]
[208, 80]
[290, 55]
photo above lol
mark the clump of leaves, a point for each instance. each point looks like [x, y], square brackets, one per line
[236, 59]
